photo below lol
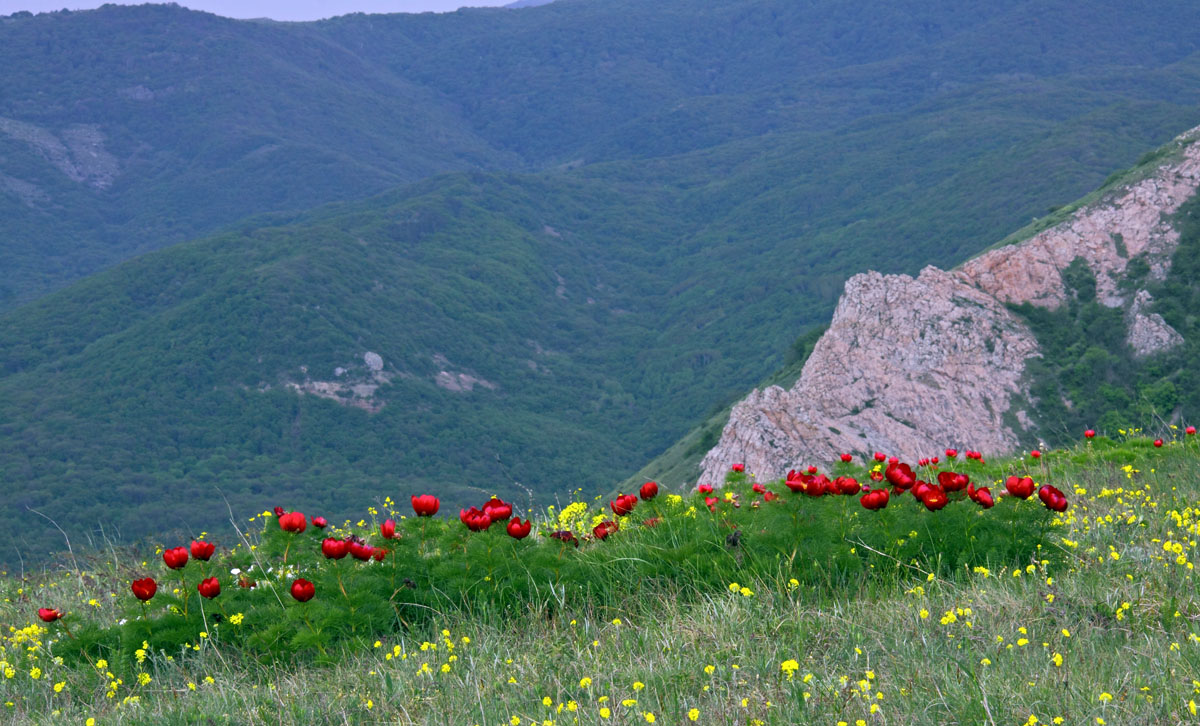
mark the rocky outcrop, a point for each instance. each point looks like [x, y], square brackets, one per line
[915, 365]
[80, 154]
[457, 381]
[1148, 332]
[898, 370]
[354, 385]
[1106, 235]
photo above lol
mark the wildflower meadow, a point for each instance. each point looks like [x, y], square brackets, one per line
[1054, 587]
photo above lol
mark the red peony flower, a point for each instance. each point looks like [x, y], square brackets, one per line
[293, 522]
[425, 505]
[209, 587]
[278, 512]
[818, 486]
[951, 453]
[623, 504]
[1089, 434]
[475, 520]
[605, 528]
[360, 550]
[1158, 443]
[1052, 498]
[923, 462]
[203, 550]
[952, 482]
[388, 529]
[847, 458]
[1190, 431]
[565, 537]
[379, 553]
[334, 549]
[303, 590]
[711, 503]
[812, 470]
[934, 499]
[517, 530]
[144, 588]
[877, 476]
[758, 488]
[649, 491]
[847, 486]
[497, 509]
[981, 496]
[175, 558]
[875, 500]
[704, 488]
[738, 468]
[892, 460]
[320, 522]
[1020, 487]
[880, 456]
[1036, 454]
[900, 476]
[49, 615]
[919, 490]
[770, 496]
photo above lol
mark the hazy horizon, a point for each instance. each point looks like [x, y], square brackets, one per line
[293, 10]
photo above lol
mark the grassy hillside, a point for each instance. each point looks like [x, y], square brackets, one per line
[127, 129]
[819, 611]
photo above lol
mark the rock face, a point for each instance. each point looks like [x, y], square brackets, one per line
[898, 370]
[1148, 332]
[80, 153]
[912, 366]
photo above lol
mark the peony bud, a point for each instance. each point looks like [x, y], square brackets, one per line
[175, 557]
[303, 590]
[203, 550]
[209, 587]
[425, 505]
[649, 491]
[49, 615]
[144, 588]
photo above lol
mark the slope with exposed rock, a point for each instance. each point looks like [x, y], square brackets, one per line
[912, 365]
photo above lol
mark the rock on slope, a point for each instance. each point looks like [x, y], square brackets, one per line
[914, 365]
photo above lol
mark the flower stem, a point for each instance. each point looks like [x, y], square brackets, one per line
[314, 632]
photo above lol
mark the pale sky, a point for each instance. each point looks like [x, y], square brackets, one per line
[276, 9]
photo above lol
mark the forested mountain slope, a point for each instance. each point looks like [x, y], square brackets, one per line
[554, 315]
[130, 128]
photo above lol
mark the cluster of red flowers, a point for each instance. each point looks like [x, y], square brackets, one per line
[621, 506]
[336, 549]
[948, 486]
[494, 510]
[816, 485]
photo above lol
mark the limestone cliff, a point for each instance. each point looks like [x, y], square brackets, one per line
[912, 366]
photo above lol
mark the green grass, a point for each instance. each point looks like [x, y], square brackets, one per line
[1111, 591]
